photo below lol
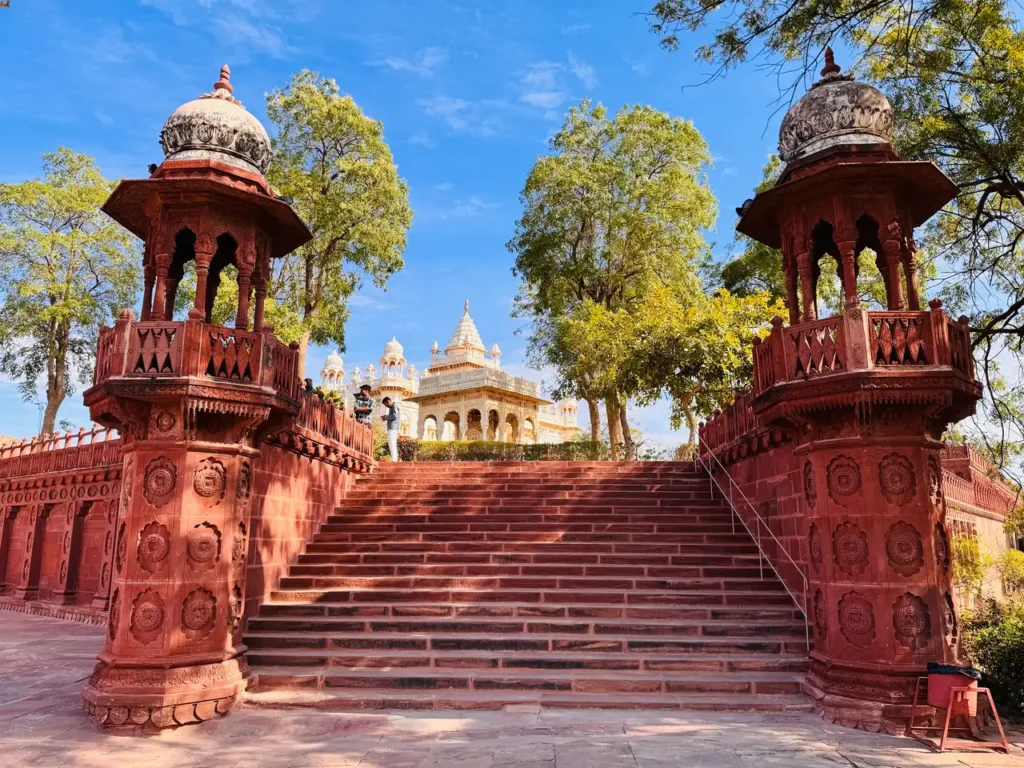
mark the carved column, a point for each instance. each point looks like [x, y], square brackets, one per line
[8, 519]
[792, 299]
[848, 274]
[880, 596]
[173, 652]
[204, 255]
[148, 276]
[909, 257]
[160, 309]
[101, 600]
[32, 566]
[71, 553]
[803, 264]
[893, 283]
[242, 313]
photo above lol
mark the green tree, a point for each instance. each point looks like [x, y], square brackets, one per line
[620, 205]
[954, 73]
[332, 160]
[65, 268]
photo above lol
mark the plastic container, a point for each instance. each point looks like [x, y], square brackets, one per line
[942, 678]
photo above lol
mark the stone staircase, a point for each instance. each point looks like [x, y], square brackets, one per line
[484, 585]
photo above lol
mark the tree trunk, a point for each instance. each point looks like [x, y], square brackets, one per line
[595, 419]
[55, 391]
[626, 434]
[303, 346]
[615, 438]
[691, 423]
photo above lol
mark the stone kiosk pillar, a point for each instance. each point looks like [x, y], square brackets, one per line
[867, 395]
[190, 399]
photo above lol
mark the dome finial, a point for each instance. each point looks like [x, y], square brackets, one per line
[466, 307]
[830, 68]
[224, 84]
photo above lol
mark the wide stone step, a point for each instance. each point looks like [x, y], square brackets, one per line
[568, 559]
[446, 515]
[578, 681]
[648, 662]
[554, 549]
[527, 537]
[514, 569]
[549, 597]
[341, 700]
[546, 584]
[535, 526]
[773, 644]
[696, 612]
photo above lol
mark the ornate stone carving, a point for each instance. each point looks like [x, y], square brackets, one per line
[198, 613]
[160, 480]
[857, 619]
[104, 575]
[949, 623]
[108, 542]
[154, 547]
[127, 478]
[843, 479]
[896, 478]
[63, 571]
[910, 621]
[203, 547]
[164, 422]
[66, 544]
[238, 547]
[934, 481]
[904, 549]
[814, 545]
[244, 486]
[209, 480]
[147, 617]
[941, 547]
[122, 547]
[850, 548]
[216, 127]
[115, 614]
[820, 616]
[810, 489]
[235, 609]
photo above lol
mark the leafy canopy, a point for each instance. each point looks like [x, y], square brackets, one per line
[332, 160]
[65, 268]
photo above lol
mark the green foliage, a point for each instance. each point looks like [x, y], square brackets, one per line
[1011, 570]
[953, 71]
[408, 447]
[993, 639]
[618, 208]
[332, 160]
[968, 563]
[65, 269]
[481, 450]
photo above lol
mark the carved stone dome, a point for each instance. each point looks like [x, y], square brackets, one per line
[393, 349]
[333, 361]
[837, 110]
[217, 127]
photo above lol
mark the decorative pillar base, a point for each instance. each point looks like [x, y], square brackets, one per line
[853, 697]
[140, 698]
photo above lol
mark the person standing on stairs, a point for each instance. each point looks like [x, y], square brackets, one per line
[392, 417]
[363, 405]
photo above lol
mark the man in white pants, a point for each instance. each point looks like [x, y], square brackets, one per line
[392, 417]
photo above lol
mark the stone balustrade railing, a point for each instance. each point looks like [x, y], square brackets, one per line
[164, 348]
[861, 340]
[482, 377]
[63, 452]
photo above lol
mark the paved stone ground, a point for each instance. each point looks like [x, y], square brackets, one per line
[43, 662]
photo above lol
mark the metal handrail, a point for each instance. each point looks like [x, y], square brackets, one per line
[762, 557]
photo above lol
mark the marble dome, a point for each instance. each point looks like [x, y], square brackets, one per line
[334, 361]
[217, 127]
[393, 349]
[837, 110]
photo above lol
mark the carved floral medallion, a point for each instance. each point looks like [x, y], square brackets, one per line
[160, 480]
[820, 617]
[198, 613]
[202, 547]
[896, 478]
[122, 547]
[934, 481]
[810, 489]
[850, 548]
[857, 619]
[814, 545]
[115, 614]
[154, 547]
[843, 480]
[209, 480]
[147, 617]
[941, 547]
[910, 621]
[244, 487]
[904, 548]
[949, 622]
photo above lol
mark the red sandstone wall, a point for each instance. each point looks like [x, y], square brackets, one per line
[772, 481]
[293, 493]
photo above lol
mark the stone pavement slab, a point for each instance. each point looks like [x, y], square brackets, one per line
[44, 661]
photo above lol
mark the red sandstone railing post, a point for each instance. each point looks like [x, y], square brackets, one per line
[856, 339]
[938, 326]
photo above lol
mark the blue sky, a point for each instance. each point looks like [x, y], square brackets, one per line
[469, 93]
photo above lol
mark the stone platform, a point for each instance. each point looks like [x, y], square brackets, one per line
[44, 661]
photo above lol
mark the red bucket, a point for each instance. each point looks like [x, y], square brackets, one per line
[943, 678]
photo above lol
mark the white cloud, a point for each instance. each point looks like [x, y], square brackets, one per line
[575, 29]
[640, 66]
[462, 208]
[583, 71]
[421, 139]
[424, 63]
[362, 301]
[260, 37]
[444, 186]
[730, 171]
[476, 117]
[540, 86]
